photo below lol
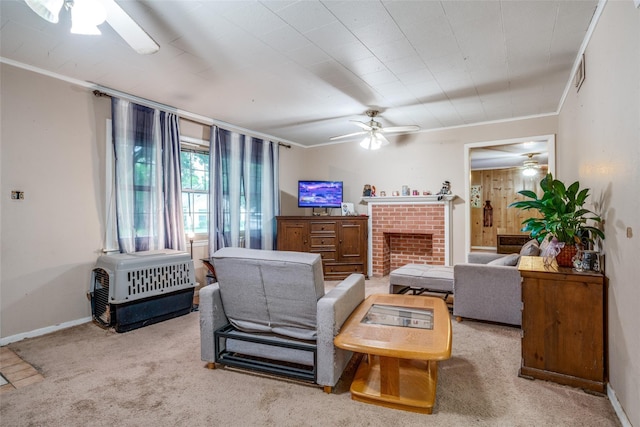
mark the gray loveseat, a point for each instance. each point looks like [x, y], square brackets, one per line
[269, 312]
[488, 286]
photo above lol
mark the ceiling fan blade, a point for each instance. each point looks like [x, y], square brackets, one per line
[128, 29]
[333, 138]
[364, 126]
[400, 129]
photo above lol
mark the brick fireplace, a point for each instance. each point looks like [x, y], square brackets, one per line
[407, 230]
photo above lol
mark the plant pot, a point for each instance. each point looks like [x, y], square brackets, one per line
[565, 257]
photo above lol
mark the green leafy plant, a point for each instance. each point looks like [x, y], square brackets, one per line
[563, 214]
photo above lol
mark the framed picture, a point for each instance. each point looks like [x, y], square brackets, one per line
[347, 209]
[579, 77]
[476, 196]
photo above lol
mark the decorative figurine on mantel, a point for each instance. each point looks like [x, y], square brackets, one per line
[366, 191]
[445, 190]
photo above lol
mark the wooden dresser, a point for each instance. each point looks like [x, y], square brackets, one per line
[563, 325]
[340, 240]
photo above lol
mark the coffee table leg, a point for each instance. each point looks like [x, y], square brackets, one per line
[389, 376]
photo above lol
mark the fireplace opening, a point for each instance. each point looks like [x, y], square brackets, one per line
[409, 248]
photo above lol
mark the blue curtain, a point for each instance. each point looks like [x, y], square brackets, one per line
[244, 200]
[147, 177]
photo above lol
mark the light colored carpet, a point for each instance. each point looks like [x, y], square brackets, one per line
[154, 376]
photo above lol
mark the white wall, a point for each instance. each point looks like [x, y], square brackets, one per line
[421, 161]
[52, 146]
[599, 144]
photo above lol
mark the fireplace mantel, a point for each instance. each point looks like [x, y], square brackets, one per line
[404, 211]
[411, 199]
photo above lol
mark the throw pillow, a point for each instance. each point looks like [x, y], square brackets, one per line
[530, 248]
[510, 260]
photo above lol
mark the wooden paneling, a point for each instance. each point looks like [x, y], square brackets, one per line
[500, 186]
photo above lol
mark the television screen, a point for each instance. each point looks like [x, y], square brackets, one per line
[319, 194]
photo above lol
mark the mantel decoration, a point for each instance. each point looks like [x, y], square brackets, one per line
[563, 217]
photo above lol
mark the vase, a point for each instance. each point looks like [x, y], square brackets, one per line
[566, 254]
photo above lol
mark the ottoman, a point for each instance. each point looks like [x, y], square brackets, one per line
[419, 278]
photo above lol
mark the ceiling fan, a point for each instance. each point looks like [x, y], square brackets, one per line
[86, 15]
[530, 166]
[374, 131]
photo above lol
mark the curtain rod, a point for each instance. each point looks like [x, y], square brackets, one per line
[187, 115]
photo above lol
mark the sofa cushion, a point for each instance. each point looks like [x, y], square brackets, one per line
[270, 291]
[508, 260]
[530, 248]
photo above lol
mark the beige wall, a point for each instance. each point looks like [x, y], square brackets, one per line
[52, 149]
[599, 144]
[422, 161]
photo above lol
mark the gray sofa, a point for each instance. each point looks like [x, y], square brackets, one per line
[268, 312]
[488, 286]
[487, 292]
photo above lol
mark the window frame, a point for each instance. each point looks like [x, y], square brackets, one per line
[194, 145]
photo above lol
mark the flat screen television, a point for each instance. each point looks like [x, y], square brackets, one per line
[319, 194]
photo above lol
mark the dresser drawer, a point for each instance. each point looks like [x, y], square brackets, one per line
[322, 227]
[328, 255]
[342, 269]
[322, 242]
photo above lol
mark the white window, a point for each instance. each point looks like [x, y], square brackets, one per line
[194, 162]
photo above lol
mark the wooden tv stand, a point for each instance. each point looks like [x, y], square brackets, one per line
[341, 241]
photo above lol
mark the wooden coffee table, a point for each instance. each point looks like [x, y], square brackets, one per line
[400, 366]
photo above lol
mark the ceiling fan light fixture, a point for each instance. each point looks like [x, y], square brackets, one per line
[371, 142]
[86, 15]
[530, 166]
[46, 9]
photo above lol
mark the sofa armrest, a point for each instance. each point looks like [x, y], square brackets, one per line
[487, 292]
[212, 317]
[333, 310]
[483, 257]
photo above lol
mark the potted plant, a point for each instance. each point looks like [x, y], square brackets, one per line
[563, 216]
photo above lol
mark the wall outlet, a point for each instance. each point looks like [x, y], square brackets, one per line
[17, 195]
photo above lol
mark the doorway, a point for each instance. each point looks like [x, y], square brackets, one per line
[494, 173]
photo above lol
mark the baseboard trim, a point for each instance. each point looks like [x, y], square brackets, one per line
[43, 331]
[611, 394]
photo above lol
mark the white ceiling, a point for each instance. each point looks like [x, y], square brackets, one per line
[509, 155]
[300, 70]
